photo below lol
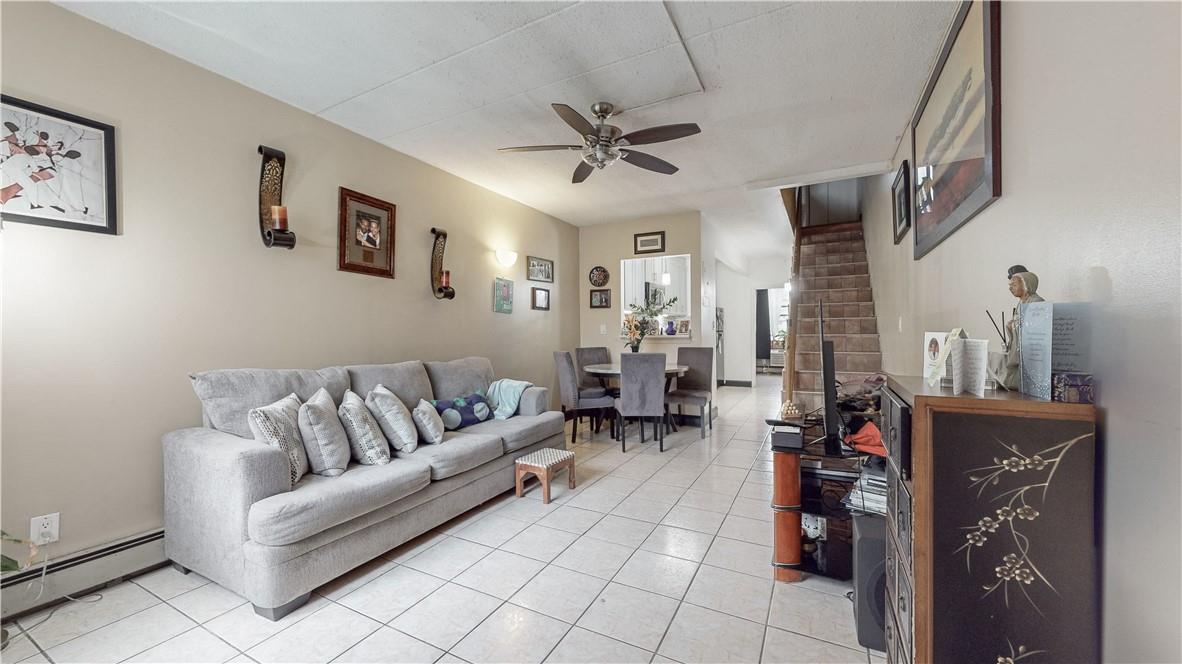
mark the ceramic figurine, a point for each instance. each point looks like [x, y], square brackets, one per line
[1024, 286]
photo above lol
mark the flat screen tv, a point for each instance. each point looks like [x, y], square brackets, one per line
[833, 422]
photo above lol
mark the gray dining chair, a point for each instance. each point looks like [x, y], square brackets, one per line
[642, 394]
[590, 386]
[574, 405]
[694, 388]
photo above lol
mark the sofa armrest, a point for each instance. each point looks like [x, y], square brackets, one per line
[211, 479]
[534, 401]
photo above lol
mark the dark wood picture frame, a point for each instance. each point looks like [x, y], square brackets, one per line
[344, 264]
[111, 227]
[989, 187]
[901, 199]
[605, 303]
[534, 292]
[529, 266]
[636, 239]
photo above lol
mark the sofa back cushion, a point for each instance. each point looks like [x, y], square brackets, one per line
[459, 378]
[407, 380]
[227, 395]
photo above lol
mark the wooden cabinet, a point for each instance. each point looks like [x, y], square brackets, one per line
[992, 546]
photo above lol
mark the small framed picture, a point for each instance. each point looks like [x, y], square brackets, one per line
[502, 296]
[683, 326]
[648, 243]
[601, 298]
[539, 269]
[59, 168]
[365, 242]
[901, 193]
[539, 298]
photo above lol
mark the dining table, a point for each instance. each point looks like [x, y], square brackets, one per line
[605, 372]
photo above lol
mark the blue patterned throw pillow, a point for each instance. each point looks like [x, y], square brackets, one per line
[463, 411]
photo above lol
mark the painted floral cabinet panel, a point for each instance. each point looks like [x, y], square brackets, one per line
[1014, 555]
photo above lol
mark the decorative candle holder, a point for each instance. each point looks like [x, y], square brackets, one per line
[440, 279]
[273, 231]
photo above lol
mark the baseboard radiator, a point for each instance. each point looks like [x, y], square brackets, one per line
[77, 573]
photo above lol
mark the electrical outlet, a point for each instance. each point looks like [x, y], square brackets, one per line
[813, 525]
[44, 529]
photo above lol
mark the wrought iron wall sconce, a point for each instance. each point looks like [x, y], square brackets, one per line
[440, 278]
[272, 214]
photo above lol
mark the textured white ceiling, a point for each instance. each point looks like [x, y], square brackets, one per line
[785, 89]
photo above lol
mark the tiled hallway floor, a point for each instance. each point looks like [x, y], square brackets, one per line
[654, 557]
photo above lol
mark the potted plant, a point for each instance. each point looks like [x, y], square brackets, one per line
[636, 326]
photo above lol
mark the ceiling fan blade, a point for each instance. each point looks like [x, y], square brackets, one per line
[539, 148]
[660, 134]
[647, 161]
[574, 119]
[582, 171]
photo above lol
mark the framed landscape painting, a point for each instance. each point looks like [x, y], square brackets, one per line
[956, 131]
[648, 243]
[539, 269]
[365, 242]
[58, 169]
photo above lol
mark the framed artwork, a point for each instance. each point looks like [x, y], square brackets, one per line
[648, 243]
[58, 168]
[956, 131]
[502, 296]
[601, 298]
[599, 276]
[539, 269]
[539, 298]
[366, 235]
[901, 195]
[683, 326]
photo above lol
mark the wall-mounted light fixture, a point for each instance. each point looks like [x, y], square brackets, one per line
[272, 213]
[506, 257]
[440, 278]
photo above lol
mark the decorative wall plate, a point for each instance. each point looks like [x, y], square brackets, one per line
[599, 276]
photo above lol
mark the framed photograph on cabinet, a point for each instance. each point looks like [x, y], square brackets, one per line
[58, 168]
[365, 228]
[539, 269]
[601, 298]
[648, 243]
[539, 298]
[956, 131]
[901, 195]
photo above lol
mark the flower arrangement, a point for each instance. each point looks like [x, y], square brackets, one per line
[639, 323]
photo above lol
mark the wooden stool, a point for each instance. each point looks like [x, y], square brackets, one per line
[544, 464]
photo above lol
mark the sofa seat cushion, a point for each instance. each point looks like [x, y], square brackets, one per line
[317, 503]
[522, 430]
[458, 452]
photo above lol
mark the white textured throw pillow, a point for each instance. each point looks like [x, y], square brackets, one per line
[277, 425]
[365, 436]
[394, 418]
[429, 423]
[325, 439]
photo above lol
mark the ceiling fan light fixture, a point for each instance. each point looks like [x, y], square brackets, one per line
[601, 155]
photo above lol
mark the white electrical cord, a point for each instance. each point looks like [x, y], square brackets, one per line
[40, 581]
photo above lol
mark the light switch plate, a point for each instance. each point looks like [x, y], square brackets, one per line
[603, 329]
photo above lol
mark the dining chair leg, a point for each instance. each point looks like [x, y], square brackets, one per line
[703, 420]
[661, 441]
[623, 433]
[710, 412]
[574, 428]
[640, 421]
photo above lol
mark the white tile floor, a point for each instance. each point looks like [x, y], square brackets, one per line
[654, 557]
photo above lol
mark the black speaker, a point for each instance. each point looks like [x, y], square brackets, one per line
[870, 580]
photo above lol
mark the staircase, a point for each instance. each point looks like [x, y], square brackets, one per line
[833, 270]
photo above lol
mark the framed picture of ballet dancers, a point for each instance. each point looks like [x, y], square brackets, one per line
[366, 235]
[56, 168]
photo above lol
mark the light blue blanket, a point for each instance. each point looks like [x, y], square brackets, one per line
[505, 394]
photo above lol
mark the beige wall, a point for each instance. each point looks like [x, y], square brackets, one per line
[100, 332]
[1090, 127]
[607, 245]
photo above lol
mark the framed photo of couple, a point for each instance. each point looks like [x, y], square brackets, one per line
[366, 235]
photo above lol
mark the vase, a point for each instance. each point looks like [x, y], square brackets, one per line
[635, 347]
[670, 329]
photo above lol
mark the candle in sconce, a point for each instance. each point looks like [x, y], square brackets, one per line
[278, 217]
[445, 280]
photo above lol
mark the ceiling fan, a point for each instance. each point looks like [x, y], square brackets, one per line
[604, 144]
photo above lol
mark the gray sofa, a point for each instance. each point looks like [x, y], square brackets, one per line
[232, 514]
